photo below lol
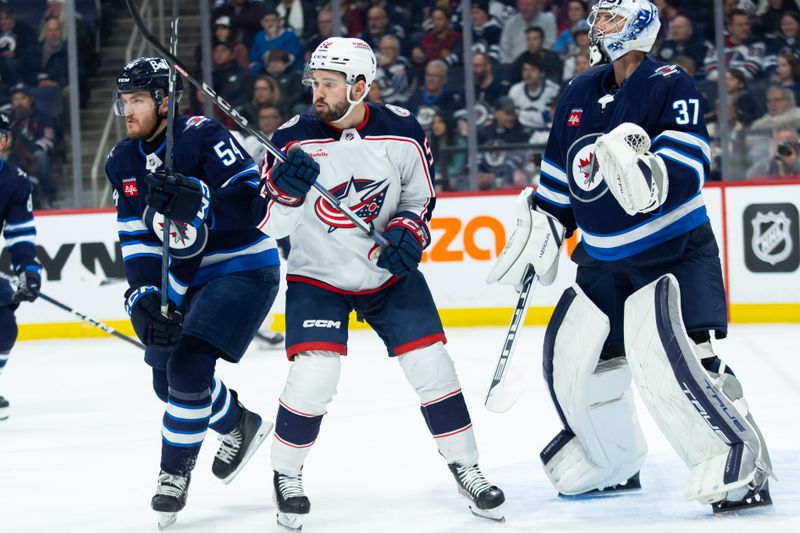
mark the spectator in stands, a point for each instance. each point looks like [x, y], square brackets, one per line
[272, 37]
[549, 60]
[395, 75]
[51, 61]
[324, 30]
[378, 25]
[770, 12]
[441, 42]
[576, 12]
[22, 34]
[292, 15]
[505, 165]
[37, 132]
[279, 66]
[449, 166]
[682, 42]
[224, 34]
[266, 93]
[84, 33]
[529, 13]
[487, 87]
[269, 120]
[353, 15]
[787, 73]
[196, 107]
[245, 16]
[580, 33]
[782, 110]
[485, 31]
[741, 50]
[16, 42]
[787, 39]
[744, 104]
[230, 80]
[783, 159]
[434, 94]
[533, 95]
[375, 94]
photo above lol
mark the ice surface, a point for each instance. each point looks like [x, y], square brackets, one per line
[80, 452]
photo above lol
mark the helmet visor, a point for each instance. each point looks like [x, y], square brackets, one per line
[329, 79]
[131, 103]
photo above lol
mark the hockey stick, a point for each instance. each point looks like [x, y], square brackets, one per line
[242, 122]
[500, 399]
[96, 323]
[168, 162]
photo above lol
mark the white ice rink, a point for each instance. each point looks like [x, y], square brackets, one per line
[80, 452]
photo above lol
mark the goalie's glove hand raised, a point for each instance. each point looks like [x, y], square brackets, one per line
[152, 328]
[179, 197]
[30, 283]
[289, 181]
[407, 237]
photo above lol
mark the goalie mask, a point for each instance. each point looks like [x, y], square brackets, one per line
[144, 74]
[626, 25]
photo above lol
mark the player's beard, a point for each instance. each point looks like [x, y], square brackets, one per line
[141, 131]
[332, 113]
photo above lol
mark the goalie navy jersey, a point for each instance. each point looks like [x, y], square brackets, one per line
[16, 215]
[229, 240]
[663, 100]
[379, 168]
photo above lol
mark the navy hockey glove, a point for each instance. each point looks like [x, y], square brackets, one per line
[30, 283]
[144, 307]
[407, 236]
[289, 182]
[179, 197]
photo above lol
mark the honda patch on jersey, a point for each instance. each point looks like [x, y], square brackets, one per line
[574, 119]
[129, 187]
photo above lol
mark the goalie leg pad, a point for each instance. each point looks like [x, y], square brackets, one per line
[602, 444]
[703, 415]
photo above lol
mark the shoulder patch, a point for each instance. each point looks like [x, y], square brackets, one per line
[194, 121]
[289, 123]
[397, 110]
[665, 70]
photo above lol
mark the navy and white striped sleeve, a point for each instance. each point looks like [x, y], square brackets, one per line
[552, 195]
[19, 231]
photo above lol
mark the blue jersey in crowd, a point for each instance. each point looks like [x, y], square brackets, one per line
[228, 242]
[664, 101]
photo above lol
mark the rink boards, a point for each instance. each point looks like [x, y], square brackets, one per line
[756, 228]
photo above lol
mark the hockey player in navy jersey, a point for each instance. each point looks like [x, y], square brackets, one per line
[19, 232]
[219, 261]
[625, 163]
[377, 160]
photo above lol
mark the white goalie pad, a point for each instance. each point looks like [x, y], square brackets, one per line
[637, 178]
[602, 444]
[536, 241]
[703, 416]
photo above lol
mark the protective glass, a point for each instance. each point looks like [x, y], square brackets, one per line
[130, 103]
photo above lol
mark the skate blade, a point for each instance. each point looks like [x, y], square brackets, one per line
[758, 499]
[263, 432]
[269, 342]
[291, 521]
[495, 514]
[166, 519]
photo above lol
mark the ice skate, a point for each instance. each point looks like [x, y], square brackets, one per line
[170, 497]
[485, 500]
[267, 339]
[291, 500]
[4, 408]
[755, 497]
[631, 484]
[240, 444]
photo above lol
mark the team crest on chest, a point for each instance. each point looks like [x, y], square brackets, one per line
[585, 177]
[363, 197]
[185, 240]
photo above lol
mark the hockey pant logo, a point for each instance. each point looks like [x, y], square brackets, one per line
[322, 323]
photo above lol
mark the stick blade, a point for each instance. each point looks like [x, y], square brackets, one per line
[500, 400]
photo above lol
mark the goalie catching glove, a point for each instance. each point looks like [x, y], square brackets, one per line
[536, 241]
[637, 178]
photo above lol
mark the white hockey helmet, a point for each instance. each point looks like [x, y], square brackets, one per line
[352, 57]
[639, 31]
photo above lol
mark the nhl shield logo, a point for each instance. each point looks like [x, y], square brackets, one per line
[771, 241]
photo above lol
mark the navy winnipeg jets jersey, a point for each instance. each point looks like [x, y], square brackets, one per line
[228, 242]
[664, 101]
[378, 169]
[16, 215]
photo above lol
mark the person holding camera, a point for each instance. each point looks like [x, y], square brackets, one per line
[783, 159]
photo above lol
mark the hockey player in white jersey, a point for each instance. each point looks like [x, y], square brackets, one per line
[625, 163]
[376, 159]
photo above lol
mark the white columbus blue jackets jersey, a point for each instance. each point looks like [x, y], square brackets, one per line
[229, 240]
[664, 101]
[380, 168]
[16, 215]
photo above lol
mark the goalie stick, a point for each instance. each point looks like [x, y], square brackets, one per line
[499, 398]
[240, 121]
[96, 323]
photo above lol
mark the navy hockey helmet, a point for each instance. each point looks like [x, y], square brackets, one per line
[145, 74]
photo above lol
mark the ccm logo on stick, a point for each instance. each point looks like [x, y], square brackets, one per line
[322, 324]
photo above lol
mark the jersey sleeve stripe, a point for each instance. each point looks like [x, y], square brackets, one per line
[132, 250]
[678, 157]
[553, 171]
[28, 224]
[552, 195]
[9, 242]
[252, 169]
[686, 139]
[131, 224]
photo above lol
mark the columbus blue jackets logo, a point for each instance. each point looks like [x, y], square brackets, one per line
[185, 241]
[364, 197]
[585, 177]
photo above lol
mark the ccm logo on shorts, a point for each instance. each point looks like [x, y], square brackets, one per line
[322, 324]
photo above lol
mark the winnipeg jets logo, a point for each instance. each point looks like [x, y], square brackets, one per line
[585, 176]
[666, 70]
[587, 169]
[185, 240]
[362, 196]
[194, 121]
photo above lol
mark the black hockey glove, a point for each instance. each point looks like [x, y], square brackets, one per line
[407, 236]
[30, 283]
[179, 197]
[289, 182]
[152, 328]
